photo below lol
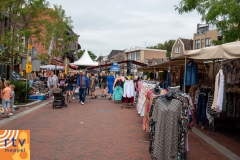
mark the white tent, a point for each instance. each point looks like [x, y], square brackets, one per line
[224, 51]
[85, 60]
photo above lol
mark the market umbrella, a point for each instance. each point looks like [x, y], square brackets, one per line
[224, 51]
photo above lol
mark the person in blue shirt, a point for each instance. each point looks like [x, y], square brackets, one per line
[110, 82]
[31, 82]
[83, 83]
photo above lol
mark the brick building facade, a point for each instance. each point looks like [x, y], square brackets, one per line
[205, 35]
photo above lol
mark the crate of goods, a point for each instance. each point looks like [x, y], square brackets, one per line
[41, 97]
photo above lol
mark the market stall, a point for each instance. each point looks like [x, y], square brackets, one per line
[210, 76]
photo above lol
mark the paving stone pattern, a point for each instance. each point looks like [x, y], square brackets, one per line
[98, 130]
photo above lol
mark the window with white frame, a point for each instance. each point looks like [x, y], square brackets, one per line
[178, 50]
[208, 42]
[138, 56]
[129, 55]
[133, 56]
[197, 44]
[202, 45]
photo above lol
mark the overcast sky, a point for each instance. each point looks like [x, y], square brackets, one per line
[104, 25]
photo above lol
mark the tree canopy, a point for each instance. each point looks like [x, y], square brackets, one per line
[21, 17]
[225, 14]
[33, 22]
[167, 45]
[92, 55]
[58, 36]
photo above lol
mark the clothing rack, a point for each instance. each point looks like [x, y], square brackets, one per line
[127, 104]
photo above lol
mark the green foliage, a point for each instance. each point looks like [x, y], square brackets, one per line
[59, 27]
[92, 55]
[167, 45]
[22, 17]
[20, 91]
[44, 57]
[146, 73]
[222, 13]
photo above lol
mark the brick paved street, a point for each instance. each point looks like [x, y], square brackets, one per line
[98, 130]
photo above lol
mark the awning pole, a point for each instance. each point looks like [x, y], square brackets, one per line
[184, 88]
[154, 74]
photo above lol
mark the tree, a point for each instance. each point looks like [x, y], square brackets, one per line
[58, 36]
[21, 15]
[222, 13]
[92, 55]
[167, 45]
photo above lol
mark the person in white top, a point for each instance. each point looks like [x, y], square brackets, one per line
[52, 82]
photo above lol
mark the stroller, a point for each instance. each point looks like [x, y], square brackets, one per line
[59, 99]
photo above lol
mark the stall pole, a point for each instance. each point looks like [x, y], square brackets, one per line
[154, 74]
[184, 89]
[212, 130]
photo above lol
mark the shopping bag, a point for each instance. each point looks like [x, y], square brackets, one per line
[76, 90]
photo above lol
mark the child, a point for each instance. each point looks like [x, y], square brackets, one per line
[12, 95]
[6, 99]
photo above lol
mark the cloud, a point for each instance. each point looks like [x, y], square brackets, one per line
[108, 24]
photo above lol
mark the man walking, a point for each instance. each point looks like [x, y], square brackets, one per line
[103, 83]
[83, 84]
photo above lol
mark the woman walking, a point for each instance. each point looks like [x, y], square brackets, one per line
[88, 75]
[69, 83]
[92, 86]
[110, 82]
[61, 83]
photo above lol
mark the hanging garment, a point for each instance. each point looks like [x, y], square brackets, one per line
[218, 93]
[209, 111]
[191, 74]
[166, 117]
[196, 96]
[141, 99]
[117, 94]
[192, 92]
[149, 99]
[213, 70]
[129, 90]
[128, 99]
[232, 68]
[169, 80]
[221, 91]
[214, 105]
[224, 106]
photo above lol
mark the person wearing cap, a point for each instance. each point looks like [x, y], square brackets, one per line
[83, 84]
